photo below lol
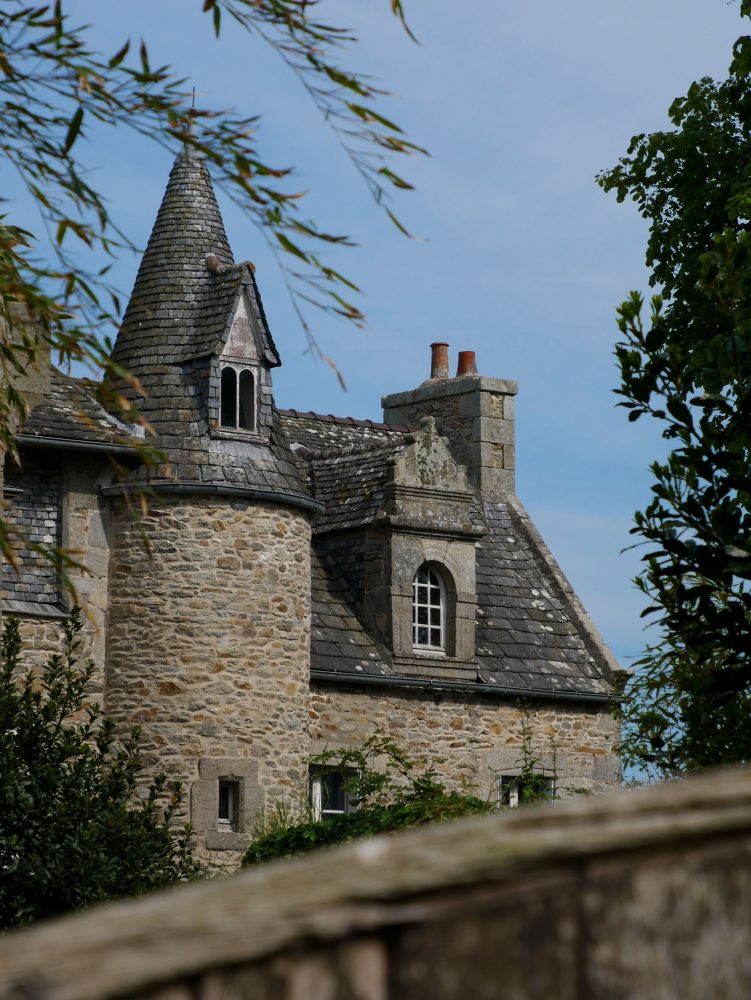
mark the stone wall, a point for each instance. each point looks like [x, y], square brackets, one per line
[477, 415]
[644, 895]
[476, 738]
[83, 530]
[208, 649]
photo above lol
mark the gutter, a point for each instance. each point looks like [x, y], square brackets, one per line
[205, 489]
[73, 444]
[426, 684]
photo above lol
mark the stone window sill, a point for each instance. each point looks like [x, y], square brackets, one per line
[226, 840]
[236, 434]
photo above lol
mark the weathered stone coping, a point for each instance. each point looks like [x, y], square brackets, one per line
[74, 444]
[440, 388]
[608, 890]
[208, 489]
[346, 677]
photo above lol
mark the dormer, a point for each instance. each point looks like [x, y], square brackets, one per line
[240, 400]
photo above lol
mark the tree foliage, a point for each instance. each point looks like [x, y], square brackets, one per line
[688, 366]
[55, 88]
[389, 791]
[72, 831]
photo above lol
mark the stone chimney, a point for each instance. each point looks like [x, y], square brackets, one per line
[474, 412]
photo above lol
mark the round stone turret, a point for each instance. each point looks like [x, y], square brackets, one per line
[209, 605]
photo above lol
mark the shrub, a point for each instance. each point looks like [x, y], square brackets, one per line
[72, 829]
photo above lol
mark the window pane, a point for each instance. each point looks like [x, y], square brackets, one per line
[428, 609]
[228, 801]
[229, 398]
[334, 795]
[224, 801]
[247, 400]
[328, 792]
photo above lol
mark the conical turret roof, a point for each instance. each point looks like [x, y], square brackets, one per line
[175, 328]
[164, 317]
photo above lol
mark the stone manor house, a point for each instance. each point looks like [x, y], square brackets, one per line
[310, 578]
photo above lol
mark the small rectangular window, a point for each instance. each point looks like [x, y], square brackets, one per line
[329, 795]
[227, 818]
[514, 791]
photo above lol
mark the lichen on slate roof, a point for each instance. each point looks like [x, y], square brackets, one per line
[338, 639]
[350, 486]
[322, 433]
[527, 633]
[71, 412]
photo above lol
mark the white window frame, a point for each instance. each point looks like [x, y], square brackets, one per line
[508, 788]
[317, 781]
[238, 369]
[430, 606]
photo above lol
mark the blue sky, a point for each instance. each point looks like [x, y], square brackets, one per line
[520, 256]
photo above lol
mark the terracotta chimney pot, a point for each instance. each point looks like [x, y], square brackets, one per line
[467, 364]
[439, 359]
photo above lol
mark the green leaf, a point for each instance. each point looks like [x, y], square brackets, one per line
[74, 128]
[119, 56]
[290, 247]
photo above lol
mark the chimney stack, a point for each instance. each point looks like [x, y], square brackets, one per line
[474, 412]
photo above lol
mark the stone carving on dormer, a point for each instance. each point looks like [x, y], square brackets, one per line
[427, 490]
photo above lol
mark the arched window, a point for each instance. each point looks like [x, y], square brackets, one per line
[238, 398]
[247, 401]
[428, 610]
[229, 397]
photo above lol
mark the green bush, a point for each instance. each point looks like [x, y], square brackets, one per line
[72, 830]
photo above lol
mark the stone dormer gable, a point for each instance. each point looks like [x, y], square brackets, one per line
[427, 490]
[231, 320]
[242, 356]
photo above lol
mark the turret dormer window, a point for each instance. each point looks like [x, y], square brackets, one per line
[238, 398]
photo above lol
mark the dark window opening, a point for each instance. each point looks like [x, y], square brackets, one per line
[229, 397]
[247, 401]
[228, 805]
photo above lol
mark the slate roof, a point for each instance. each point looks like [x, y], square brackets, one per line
[178, 317]
[527, 633]
[351, 486]
[338, 639]
[178, 309]
[71, 413]
[327, 434]
[530, 638]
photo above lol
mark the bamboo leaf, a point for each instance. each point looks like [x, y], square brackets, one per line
[73, 129]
